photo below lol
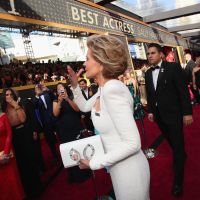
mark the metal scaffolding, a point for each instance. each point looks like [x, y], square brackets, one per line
[28, 45]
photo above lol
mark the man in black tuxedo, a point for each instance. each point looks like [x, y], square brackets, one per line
[169, 106]
[43, 102]
[86, 117]
[36, 129]
[85, 89]
[190, 64]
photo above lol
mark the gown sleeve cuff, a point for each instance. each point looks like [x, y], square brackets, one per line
[95, 164]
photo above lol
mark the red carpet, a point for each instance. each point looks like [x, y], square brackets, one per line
[52, 168]
[161, 171]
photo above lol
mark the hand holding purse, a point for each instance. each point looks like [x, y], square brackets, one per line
[4, 159]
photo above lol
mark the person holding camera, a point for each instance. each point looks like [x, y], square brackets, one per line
[68, 125]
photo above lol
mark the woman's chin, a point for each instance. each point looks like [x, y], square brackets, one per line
[88, 76]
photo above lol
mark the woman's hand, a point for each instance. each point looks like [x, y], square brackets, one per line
[194, 86]
[187, 119]
[84, 164]
[74, 76]
[12, 102]
[150, 117]
[4, 159]
[35, 135]
[60, 98]
[65, 96]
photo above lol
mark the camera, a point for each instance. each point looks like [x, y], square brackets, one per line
[61, 91]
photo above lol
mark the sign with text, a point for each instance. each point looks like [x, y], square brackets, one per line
[81, 15]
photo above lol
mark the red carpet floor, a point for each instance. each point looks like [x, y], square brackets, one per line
[52, 168]
[161, 171]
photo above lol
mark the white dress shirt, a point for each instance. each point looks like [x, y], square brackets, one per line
[155, 74]
[43, 99]
[86, 92]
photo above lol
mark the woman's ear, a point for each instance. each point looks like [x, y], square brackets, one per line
[100, 67]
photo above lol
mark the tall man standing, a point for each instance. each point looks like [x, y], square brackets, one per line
[169, 106]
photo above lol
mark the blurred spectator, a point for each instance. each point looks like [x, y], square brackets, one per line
[43, 101]
[196, 75]
[188, 71]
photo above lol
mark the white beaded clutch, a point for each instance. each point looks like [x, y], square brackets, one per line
[87, 148]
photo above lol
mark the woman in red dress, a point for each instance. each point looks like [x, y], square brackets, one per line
[10, 185]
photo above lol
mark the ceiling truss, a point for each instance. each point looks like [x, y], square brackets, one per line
[185, 28]
[172, 14]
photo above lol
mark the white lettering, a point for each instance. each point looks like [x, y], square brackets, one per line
[120, 26]
[111, 23]
[116, 24]
[83, 15]
[132, 30]
[105, 22]
[90, 19]
[96, 18]
[129, 28]
[75, 14]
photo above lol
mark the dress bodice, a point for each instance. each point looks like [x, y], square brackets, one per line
[103, 123]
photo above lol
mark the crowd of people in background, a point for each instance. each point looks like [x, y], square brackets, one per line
[18, 74]
[54, 113]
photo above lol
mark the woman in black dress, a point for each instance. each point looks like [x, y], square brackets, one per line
[68, 126]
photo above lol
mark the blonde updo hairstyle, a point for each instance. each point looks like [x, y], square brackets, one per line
[110, 52]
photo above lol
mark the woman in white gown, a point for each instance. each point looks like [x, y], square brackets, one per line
[112, 114]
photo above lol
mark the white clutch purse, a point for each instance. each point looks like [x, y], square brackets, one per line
[87, 148]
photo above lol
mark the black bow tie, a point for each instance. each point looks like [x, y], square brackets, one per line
[156, 67]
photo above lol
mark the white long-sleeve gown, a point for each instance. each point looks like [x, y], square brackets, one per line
[128, 166]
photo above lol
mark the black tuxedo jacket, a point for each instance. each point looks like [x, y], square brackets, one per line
[87, 114]
[88, 94]
[46, 114]
[171, 97]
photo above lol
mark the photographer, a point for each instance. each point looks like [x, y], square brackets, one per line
[68, 125]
